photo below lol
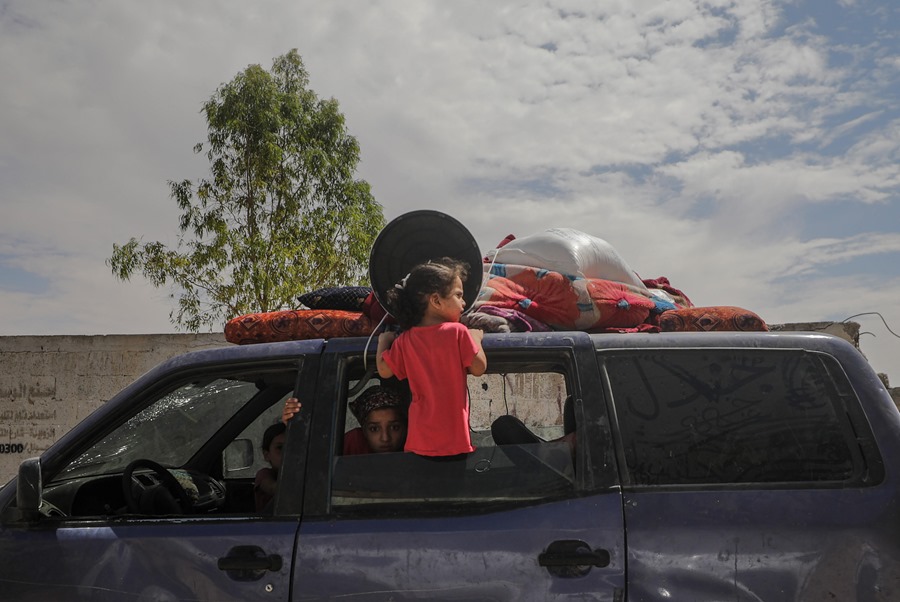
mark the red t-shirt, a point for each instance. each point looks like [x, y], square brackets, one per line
[262, 498]
[435, 359]
[355, 442]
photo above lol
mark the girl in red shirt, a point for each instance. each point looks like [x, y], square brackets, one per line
[435, 352]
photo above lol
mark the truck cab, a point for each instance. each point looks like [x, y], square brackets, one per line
[652, 467]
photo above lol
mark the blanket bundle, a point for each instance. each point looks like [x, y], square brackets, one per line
[515, 299]
[518, 298]
[568, 302]
[565, 280]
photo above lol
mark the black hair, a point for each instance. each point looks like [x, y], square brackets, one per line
[408, 299]
[270, 434]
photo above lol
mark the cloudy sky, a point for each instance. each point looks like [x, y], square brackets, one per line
[745, 149]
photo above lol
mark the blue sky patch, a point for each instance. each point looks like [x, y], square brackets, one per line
[17, 280]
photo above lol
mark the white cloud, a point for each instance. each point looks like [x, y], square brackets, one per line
[687, 133]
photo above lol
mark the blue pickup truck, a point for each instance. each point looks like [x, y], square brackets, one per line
[698, 466]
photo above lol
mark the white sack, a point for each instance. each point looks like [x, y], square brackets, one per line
[570, 252]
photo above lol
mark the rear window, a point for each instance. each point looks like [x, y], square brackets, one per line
[733, 416]
[523, 425]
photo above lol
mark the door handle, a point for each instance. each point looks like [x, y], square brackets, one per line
[249, 563]
[572, 558]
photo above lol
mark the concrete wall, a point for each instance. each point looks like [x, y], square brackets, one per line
[50, 383]
[846, 330]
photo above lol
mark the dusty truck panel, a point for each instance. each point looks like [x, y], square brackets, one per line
[683, 466]
[763, 472]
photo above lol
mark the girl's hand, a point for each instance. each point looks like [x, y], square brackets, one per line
[384, 343]
[479, 362]
[291, 408]
[386, 338]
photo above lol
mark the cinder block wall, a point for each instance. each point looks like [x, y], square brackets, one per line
[50, 383]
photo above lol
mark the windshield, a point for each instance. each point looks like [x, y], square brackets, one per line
[170, 430]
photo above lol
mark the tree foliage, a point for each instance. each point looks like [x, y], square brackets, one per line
[281, 212]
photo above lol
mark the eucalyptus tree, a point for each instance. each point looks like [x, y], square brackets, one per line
[280, 213]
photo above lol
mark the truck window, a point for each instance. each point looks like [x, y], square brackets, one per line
[204, 429]
[167, 430]
[735, 416]
[533, 461]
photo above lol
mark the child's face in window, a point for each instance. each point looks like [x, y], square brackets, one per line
[385, 430]
[275, 453]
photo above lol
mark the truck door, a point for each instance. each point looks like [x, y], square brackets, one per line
[533, 514]
[116, 525]
[752, 474]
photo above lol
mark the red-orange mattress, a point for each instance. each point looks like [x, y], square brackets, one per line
[297, 324]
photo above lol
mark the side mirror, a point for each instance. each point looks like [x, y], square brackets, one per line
[238, 458]
[29, 491]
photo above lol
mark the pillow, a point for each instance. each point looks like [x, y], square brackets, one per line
[708, 319]
[347, 298]
[296, 324]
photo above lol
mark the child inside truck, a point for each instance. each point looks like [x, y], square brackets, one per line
[381, 413]
[266, 481]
